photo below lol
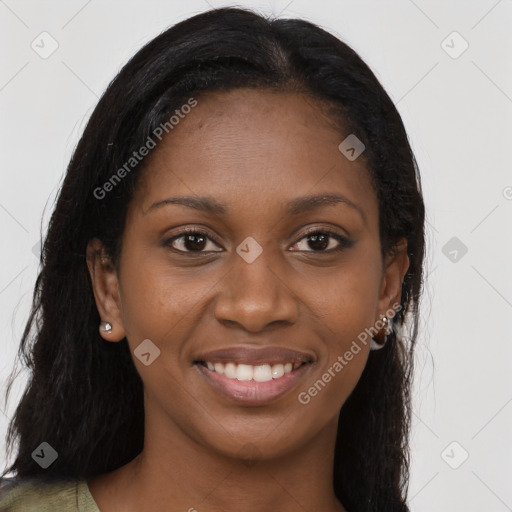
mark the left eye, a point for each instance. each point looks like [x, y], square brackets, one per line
[323, 241]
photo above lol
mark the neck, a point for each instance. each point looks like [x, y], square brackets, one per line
[173, 469]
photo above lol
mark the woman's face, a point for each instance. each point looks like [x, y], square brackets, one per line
[255, 166]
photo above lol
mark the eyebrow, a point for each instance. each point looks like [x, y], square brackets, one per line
[294, 207]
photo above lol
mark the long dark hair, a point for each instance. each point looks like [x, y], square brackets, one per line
[84, 396]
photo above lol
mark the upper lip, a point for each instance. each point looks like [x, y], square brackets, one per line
[255, 356]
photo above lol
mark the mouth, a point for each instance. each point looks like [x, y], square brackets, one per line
[252, 385]
[254, 373]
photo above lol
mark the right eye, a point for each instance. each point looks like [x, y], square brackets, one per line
[191, 240]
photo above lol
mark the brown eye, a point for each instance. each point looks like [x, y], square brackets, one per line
[192, 241]
[323, 241]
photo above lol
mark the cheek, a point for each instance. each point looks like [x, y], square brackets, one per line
[346, 302]
[161, 302]
[155, 300]
[346, 299]
[346, 352]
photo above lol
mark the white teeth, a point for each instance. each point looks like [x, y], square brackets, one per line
[230, 370]
[262, 373]
[277, 371]
[246, 372]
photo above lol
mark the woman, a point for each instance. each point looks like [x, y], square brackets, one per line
[234, 256]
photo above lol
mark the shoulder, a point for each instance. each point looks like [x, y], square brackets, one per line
[36, 494]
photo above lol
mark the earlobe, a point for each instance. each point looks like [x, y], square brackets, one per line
[105, 286]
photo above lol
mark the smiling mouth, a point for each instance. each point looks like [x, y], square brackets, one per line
[255, 373]
[253, 385]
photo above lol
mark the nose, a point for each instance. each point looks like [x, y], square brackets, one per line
[256, 295]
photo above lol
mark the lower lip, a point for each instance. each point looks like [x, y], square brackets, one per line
[250, 392]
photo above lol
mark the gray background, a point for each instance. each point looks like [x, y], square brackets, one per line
[456, 107]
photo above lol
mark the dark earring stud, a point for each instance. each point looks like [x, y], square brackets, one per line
[379, 340]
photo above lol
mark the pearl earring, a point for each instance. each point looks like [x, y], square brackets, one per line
[106, 327]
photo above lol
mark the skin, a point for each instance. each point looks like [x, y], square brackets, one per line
[253, 151]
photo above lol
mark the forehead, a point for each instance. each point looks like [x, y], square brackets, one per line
[254, 147]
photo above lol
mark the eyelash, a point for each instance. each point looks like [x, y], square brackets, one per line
[344, 243]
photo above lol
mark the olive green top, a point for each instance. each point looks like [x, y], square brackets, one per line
[35, 496]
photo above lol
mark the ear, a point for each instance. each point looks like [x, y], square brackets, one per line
[105, 286]
[395, 267]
